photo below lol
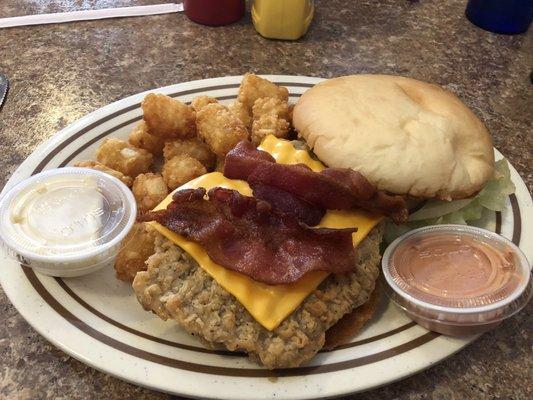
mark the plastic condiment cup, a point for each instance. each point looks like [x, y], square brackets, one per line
[67, 221]
[446, 311]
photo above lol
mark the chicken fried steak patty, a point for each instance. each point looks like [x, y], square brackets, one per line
[175, 287]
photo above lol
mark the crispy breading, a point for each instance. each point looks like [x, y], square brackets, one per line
[219, 128]
[138, 245]
[254, 87]
[194, 148]
[124, 157]
[149, 190]
[270, 106]
[240, 111]
[139, 137]
[168, 118]
[269, 125]
[181, 169]
[127, 180]
[270, 117]
[348, 326]
[175, 287]
[251, 89]
[201, 101]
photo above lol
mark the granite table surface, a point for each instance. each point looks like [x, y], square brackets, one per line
[59, 73]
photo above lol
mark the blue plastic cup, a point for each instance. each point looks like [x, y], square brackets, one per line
[501, 16]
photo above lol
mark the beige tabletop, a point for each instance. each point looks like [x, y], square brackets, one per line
[59, 73]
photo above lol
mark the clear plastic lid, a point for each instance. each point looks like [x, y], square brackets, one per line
[65, 215]
[446, 272]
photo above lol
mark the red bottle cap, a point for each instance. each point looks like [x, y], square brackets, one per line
[214, 12]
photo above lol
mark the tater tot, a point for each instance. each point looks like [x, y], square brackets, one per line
[219, 128]
[101, 167]
[139, 137]
[272, 106]
[181, 169]
[201, 101]
[138, 247]
[194, 148]
[254, 87]
[149, 190]
[270, 117]
[240, 111]
[168, 118]
[269, 125]
[122, 156]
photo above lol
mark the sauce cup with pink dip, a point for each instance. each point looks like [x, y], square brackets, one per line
[455, 279]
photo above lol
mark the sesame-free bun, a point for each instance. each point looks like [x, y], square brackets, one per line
[405, 136]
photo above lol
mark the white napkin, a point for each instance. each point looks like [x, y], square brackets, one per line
[90, 14]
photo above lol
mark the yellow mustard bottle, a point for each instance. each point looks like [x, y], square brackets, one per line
[282, 19]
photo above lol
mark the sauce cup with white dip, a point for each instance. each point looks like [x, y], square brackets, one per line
[455, 279]
[67, 221]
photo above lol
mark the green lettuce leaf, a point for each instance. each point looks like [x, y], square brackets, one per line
[493, 197]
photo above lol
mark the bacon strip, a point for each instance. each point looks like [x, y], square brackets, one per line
[310, 186]
[243, 160]
[332, 188]
[244, 234]
[287, 203]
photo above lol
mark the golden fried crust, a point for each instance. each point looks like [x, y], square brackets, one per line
[349, 325]
[101, 167]
[254, 87]
[194, 148]
[269, 125]
[168, 118]
[122, 156]
[139, 137]
[201, 101]
[181, 169]
[270, 117]
[175, 287]
[149, 190]
[219, 128]
[270, 106]
[138, 246]
[240, 111]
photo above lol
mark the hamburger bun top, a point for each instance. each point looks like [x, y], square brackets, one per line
[405, 136]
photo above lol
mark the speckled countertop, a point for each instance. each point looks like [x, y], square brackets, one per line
[60, 73]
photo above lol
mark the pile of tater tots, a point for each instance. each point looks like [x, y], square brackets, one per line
[191, 140]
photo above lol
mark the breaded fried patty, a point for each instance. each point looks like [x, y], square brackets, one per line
[175, 287]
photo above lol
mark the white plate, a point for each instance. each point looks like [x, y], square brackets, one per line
[97, 320]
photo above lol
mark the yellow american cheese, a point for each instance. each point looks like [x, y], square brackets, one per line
[268, 304]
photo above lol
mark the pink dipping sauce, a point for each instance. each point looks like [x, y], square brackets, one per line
[451, 268]
[456, 280]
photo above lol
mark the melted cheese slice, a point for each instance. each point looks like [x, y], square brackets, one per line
[268, 304]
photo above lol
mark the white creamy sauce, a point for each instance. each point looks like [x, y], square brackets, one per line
[60, 214]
